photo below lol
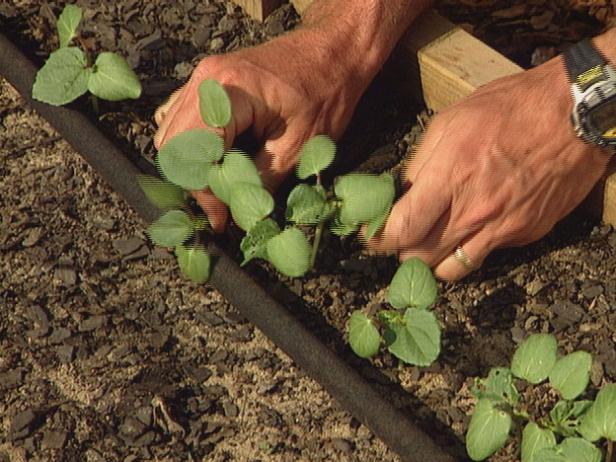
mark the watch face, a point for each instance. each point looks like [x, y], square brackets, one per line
[602, 119]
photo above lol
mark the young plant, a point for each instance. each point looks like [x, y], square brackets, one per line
[411, 331]
[567, 434]
[68, 73]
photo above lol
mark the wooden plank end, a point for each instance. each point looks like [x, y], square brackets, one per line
[258, 9]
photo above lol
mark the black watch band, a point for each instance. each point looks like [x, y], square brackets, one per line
[584, 64]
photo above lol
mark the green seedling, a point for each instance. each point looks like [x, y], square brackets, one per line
[567, 434]
[68, 73]
[411, 331]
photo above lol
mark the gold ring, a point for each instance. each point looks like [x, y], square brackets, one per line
[461, 256]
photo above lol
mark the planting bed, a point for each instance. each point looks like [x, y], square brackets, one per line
[98, 328]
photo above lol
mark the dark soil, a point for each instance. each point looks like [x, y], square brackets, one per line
[107, 354]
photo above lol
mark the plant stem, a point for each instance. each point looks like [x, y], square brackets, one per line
[94, 101]
[315, 244]
[610, 451]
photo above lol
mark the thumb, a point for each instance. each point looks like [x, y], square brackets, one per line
[279, 156]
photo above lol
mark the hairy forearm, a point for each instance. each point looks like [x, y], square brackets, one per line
[361, 33]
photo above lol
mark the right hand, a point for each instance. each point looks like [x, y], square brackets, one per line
[286, 91]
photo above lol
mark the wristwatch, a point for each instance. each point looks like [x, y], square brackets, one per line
[593, 87]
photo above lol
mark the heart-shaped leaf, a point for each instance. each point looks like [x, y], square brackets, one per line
[570, 450]
[571, 373]
[250, 204]
[315, 156]
[162, 194]
[418, 340]
[365, 197]
[194, 263]
[375, 225]
[534, 439]
[488, 430]
[499, 386]
[113, 79]
[214, 104]
[63, 78]
[237, 167]
[364, 337]
[68, 21]
[600, 420]
[289, 252]
[254, 243]
[413, 285]
[342, 229]
[187, 158]
[305, 205]
[534, 358]
[172, 229]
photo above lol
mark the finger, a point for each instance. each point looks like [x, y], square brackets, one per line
[474, 252]
[422, 152]
[415, 214]
[215, 210]
[160, 137]
[163, 109]
[278, 157]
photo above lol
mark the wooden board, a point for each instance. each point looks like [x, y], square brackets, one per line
[449, 64]
[258, 9]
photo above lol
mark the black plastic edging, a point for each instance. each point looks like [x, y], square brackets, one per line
[340, 380]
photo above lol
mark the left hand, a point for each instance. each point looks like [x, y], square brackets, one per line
[497, 169]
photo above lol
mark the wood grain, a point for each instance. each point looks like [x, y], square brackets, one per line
[258, 9]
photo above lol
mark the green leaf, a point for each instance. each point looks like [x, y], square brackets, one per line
[162, 194]
[570, 450]
[342, 229]
[600, 420]
[365, 197]
[499, 386]
[254, 243]
[237, 167]
[194, 263]
[413, 285]
[172, 229]
[571, 373]
[364, 337]
[63, 78]
[250, 204]
[305, 205]
[375, 225]
[418, 341]
[289, 252]
[565, 416]
[214, 104]
[534, 439]
[67, 24]
[534, 358]
[186, 159]
[316, 155]
[113, 79]
[487, 431]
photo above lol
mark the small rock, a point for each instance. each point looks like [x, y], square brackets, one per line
[11, 378]
[199, 374]
[65, 353]
[152, 41]
[596, 373]
[144, 414]
[209, 318]
[218, 356]
[58, 335]
[132, 428]
[142, 252]
[105, 223]
[230, 409]
[66, 274]
[21, 424]
[145, 440]
[534, 287]
[566, 314]
[183, 70]
[160, 253]
[200, 38]
[217, 44]
[517, 334]
[53, 439]
[127, 246]
[227, 24]
[92, 323]
[342, 445]
[33, 235]
[592, 291]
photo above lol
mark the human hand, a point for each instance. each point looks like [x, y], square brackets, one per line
[286, 90]
[498, 169]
